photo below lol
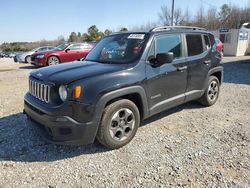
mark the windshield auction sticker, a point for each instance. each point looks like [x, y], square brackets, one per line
[136, 36]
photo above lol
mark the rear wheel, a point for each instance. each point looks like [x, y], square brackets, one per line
[53, 60]
[212, 92]
[28, 59]
[119, 124]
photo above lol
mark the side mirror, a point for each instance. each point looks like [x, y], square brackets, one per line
[161, 58]
[67, 50]
[164, 58]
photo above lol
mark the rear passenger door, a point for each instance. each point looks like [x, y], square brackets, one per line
[198, 61]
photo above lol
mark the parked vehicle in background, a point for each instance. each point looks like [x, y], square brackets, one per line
[1, 54]
[67, 52]
[25, 57]
[12, 55]
[126, 78]
[219, 45]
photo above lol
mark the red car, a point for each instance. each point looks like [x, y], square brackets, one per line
[219, 45]
[63, 53]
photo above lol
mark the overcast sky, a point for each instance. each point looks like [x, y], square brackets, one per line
[32, 20]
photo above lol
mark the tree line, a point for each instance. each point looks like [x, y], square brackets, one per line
[228, 16]
[92, 34]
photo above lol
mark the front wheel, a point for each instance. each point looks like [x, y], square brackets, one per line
[27, 59]
[211, 93]
[53, 60]
[119, 124]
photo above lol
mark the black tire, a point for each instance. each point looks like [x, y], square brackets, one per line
[27, 59]
[211, 93]
[113, 132]
[53, 60]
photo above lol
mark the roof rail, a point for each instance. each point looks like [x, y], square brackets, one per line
[167, 28]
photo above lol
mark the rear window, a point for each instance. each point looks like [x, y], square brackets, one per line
[194, 44]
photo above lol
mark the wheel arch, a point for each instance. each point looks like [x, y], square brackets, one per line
[217, 72]
[55, 55]
[136, 94]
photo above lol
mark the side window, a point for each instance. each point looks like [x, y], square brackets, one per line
[75, 47]
[169, 43]
[207, 42]
[42, 49]
[194, 44]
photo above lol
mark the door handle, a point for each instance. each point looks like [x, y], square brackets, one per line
[207, 62]
[182, 68]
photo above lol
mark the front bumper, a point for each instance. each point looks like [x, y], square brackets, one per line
[60, 129]
[38, 62]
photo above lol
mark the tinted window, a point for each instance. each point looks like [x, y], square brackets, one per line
[194, 45]
[207, 42]
[171, 43]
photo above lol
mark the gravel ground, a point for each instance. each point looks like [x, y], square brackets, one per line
[188, 146]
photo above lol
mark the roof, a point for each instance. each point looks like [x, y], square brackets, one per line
[170, 28]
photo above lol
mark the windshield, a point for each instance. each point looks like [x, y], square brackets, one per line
[120, 48]
[61, 47]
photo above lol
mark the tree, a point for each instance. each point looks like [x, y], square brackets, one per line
[123, 29]
[93, 33]
[200, 19]
[186, 18]
[73, 37]
[224, 14]
[60, 40]
[212, 19]
[165, 16]
[107, 32]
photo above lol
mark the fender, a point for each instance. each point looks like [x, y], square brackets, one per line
[119, 93]
[214, 70]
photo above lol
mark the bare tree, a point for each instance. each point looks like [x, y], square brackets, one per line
[212, 19]
[165, 16]
[187, 19]
[200, 19]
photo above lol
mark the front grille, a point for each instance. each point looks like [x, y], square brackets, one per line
[39, 90]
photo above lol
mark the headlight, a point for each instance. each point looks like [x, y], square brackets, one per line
[40, 56]
[63, 93]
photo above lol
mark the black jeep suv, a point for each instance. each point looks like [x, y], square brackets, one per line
[126, 78]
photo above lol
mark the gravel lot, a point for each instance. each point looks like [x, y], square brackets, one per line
[188, 146]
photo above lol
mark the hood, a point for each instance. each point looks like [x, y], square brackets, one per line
[69, 72]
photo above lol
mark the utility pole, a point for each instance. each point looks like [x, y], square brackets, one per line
[172, 14]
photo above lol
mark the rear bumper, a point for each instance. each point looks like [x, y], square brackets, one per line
[60, 129]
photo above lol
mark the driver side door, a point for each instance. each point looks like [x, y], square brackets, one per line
[167, 83]
[73, 53]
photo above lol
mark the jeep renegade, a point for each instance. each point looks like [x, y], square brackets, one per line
[126, 78]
